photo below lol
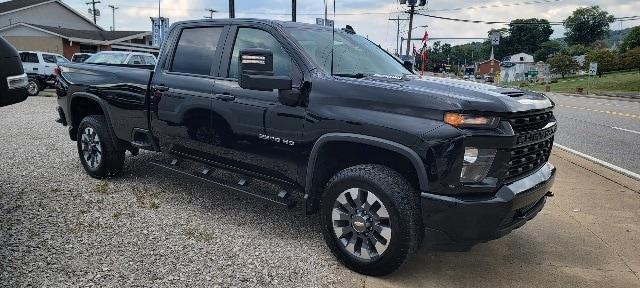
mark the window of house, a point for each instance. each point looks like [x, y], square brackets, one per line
[195, 50]
[255, 38]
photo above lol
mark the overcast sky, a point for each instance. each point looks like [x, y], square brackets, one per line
[368, 17]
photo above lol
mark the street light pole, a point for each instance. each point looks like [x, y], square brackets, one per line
[93, 10]
[113, 17]
[232, 9]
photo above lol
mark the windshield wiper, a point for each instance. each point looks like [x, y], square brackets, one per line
[351, 75]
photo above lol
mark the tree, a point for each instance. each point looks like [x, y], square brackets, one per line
[526, 35]
[547, 49]
[562, 64]
[576, 50]
[631, 59]
[587, 25]
[607, 60]
[632, 40]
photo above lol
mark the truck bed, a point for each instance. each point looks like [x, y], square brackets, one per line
[122, 88]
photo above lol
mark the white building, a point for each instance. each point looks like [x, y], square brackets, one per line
[517, 67]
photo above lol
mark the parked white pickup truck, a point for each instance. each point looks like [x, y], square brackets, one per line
[40, 67]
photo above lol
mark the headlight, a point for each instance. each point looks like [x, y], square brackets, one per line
[20, 81]
[466, 120]
[476, 164]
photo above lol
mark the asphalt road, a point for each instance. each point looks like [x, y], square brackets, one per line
[603, 128]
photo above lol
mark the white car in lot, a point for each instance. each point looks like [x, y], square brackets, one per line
[117, 57]
[40, 67]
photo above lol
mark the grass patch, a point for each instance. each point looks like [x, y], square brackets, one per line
[145, 199]
[614, 82]
[200, 236]
[102, 187]
[116, 214]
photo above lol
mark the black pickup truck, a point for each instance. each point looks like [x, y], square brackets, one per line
[387, 159]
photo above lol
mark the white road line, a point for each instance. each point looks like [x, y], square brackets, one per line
[600, 162]
[618, 128]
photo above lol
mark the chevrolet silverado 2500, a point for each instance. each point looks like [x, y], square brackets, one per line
[386, 158]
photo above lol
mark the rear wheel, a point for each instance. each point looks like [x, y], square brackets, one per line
[33, 87]
[98, 153]
[370, 219]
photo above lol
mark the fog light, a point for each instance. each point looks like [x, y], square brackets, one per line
[476, 164]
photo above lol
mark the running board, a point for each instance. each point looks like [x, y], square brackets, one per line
[281, 198]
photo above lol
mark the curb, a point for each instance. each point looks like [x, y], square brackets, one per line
[607, 165]
[593, 96]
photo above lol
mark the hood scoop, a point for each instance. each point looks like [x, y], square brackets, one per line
[513, 94]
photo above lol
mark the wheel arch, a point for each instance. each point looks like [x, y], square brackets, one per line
[313, 191]
[95, 105]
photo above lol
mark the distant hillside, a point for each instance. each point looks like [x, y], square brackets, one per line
[615, 36]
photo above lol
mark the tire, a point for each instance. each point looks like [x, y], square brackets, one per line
[394, 195]
[98, 153]
[33, 87]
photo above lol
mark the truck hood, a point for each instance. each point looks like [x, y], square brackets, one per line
[458, 95]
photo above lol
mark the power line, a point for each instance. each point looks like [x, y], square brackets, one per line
[494, 6]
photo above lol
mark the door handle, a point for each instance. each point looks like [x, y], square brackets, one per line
[225, 97]
[160, 88]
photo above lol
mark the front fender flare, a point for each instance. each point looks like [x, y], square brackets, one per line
[312, 193]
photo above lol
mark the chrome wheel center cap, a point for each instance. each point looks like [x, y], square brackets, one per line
[359, 224]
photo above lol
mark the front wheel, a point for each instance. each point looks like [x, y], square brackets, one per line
[370, 219]
[98, 153]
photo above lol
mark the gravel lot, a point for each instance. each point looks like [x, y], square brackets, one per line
[61, 228]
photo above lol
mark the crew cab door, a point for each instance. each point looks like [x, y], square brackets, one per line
[181, 89]
[49, 62]
[255, 131]
[30, 62]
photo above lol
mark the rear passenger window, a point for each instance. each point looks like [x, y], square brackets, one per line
[49, 58]
[27, 57]
[195, 50]
[149, 60]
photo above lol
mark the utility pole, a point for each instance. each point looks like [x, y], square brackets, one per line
[232, 9]
[211, 11]
[397, 19]
[93, 10]
[113, 17]
[293, 10]
[412, 10]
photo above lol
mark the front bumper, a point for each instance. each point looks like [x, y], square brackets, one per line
[472, 219]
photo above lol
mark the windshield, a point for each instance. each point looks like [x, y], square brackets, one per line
[107, 58]
[353, 55]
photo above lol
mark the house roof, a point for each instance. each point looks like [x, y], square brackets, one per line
[17, 5]
[93, 36]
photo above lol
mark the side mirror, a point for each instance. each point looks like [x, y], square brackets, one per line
[256, 71]
[408, 64]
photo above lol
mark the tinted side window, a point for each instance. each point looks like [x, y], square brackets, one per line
[195, 50]
[27, 57]
[49, 58]
[255, 38]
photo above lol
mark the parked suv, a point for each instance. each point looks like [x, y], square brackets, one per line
[40, 67]
[302, 113]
